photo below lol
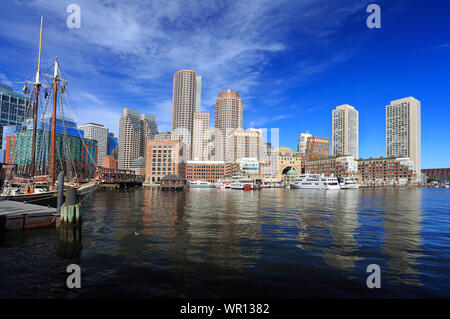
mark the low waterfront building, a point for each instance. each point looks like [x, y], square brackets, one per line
[343, 166]
[138, 166]
[383, 171]
[441, 175]
[291, 176]
[173, 182]
[268, 163]
[249, 165]
[287, 160]
[164, 158]
[232, 169]
[110, 162]
[209, 171]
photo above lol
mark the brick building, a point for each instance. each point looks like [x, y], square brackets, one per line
[316, 148]
[387, 171]
[442, 175]
[345, 166]
[209, 171]
[164, 158]
[110, 162]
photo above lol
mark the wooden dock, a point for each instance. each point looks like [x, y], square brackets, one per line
[17, 215]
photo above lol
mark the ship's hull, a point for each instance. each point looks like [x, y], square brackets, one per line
[241, 186]
[350, 186]
[202, 186]
[43, 199]
[330, 187]
[49, 198]
[223, 186]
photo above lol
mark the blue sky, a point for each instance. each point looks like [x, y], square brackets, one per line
[291, 61]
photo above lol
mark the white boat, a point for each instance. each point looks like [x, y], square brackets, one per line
[223, 183]
[240, 182]
[201, 184]
[348, 183]
[314, 181]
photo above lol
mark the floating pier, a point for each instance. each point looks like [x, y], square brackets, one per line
[18, 215]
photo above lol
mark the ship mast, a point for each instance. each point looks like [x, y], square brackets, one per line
[37, 85]
[53, 145]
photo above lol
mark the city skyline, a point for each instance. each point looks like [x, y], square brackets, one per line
[290, 102]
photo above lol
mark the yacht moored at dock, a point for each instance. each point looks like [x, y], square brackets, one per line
[314, 181]
[347, 183]
[240, 182]
[201, 184]
[223, 183]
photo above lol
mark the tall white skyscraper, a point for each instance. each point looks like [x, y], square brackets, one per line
[198, 93]
[185, 101]
[200, 142]
[345, 135]
[134, 130]
[301, 148]
[99, 133]
[403, 130]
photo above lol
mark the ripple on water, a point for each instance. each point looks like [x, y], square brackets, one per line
[217, 243]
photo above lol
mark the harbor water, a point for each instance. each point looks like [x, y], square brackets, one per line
[208, 243]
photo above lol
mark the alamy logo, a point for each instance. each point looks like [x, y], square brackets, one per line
[374, 20]
[74, 279]
[74, 19]
[374, 279]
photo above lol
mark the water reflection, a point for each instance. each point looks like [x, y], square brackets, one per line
[69, 242]
[203, 243]
[342, 253]
[218, 222]
[402, 235]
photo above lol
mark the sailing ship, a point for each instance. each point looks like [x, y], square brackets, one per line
[27, 180]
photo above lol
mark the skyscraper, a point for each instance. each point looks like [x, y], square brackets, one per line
[228, 117]
[243, 144]
[198, 93]
[403, 135]
[345, 131]
[301, 148]
[317, 148]
[134, 130]
[99, 133]
[200, 141]
[185, 102]
[148, 129]
[12, 108]
[129, 137]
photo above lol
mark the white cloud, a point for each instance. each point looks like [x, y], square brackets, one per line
[133, 48]
[5, 80]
